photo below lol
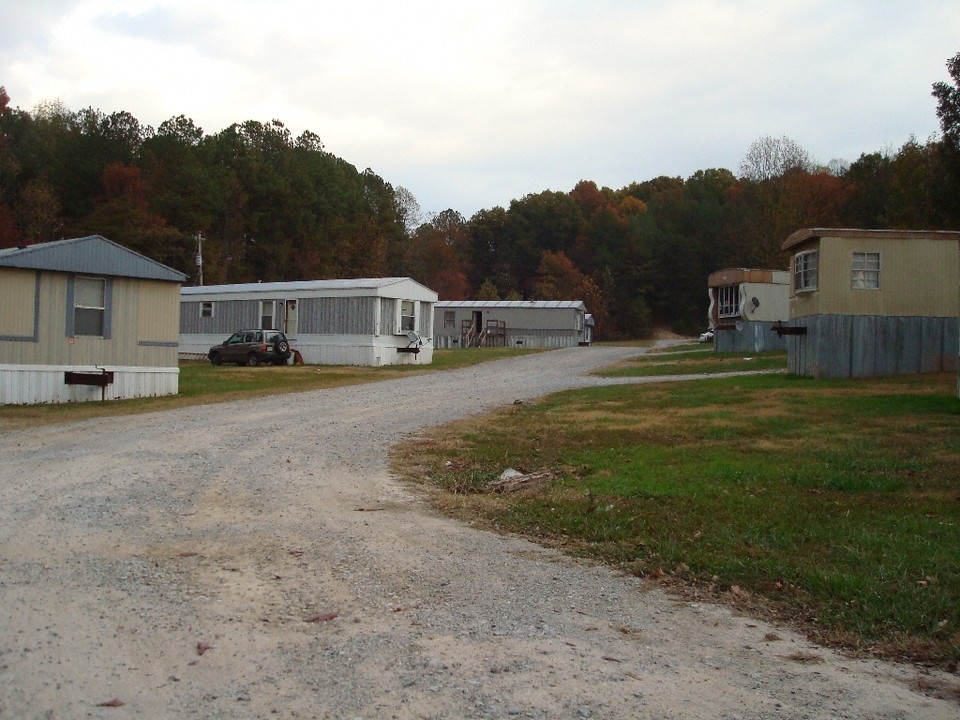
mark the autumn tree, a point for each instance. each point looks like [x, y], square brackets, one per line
[438, 253]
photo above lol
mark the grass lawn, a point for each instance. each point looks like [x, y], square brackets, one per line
[832, 505]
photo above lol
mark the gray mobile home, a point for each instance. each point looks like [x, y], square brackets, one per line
[86, 319]
[509, 323]
[745, 304]
[873, 302]
[365, 321]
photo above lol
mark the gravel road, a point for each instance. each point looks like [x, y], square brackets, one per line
[256, 560]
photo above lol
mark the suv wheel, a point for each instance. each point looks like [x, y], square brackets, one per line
[253, 359]
[281, 346]
[215, 359]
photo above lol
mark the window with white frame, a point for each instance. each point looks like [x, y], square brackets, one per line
[408, 319]
[89, 306]
[805, 271]
[728, 301]
[865, 271]
[206, 309]
[266, 315]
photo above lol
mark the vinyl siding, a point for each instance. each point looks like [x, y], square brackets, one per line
[18, 303]
[143, 327]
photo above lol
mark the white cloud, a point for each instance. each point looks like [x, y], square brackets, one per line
[469, 106]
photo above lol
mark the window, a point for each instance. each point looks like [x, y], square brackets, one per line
[206, 309]
[805, 271]
[407, 316]
[728, 301]
[449, 318]
[266, 315]
[88, 306]
[865, 271]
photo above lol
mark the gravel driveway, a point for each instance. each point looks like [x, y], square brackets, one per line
[211, 563]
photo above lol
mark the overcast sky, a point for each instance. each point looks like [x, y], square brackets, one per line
[469, 105]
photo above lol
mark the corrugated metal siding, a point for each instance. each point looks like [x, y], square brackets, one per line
[754, 337]
[32, 385]
[425, 320]
[337, 316]
[228, 317]
[848, 346]
[522, 338]
[525, 320]
[387, 316]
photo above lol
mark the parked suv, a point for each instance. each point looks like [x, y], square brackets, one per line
[252, 347]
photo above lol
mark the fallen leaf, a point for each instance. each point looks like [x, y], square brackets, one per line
[296, 552]
[189, 553]
[116, 702]
[202, 647]
[322, 617]
[611, 659]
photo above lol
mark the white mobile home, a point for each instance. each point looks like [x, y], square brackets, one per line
[745, 304]
[509, 323]
[86, 319]
[365, 321]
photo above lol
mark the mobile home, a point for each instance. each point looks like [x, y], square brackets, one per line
[745, 304]
[873, 302]
[510, 323]
[86, 319]
[365, 321]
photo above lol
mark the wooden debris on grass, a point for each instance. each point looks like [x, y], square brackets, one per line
[511, 480]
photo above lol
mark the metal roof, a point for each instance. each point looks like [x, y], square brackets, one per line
[518, 304]
[298, 285]
[90, 255]
[809, 233]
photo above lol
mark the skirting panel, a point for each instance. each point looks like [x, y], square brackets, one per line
[38, 384]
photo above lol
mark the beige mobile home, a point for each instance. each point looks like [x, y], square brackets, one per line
[509, 323]
[362, 321]
[873, 302]
[745, 304]
[86, 319]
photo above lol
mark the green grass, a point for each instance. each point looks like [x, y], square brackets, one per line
[835, 504]
[696, 362]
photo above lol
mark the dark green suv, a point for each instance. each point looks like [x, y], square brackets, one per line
[252, 347]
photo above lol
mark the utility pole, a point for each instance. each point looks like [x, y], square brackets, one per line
[200, 258]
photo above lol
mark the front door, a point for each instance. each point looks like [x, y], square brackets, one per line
[290, 318]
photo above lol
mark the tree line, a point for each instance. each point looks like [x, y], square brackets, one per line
[271, 207]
